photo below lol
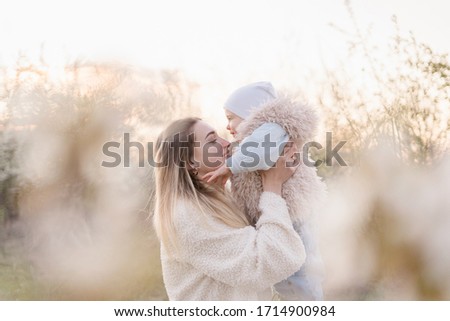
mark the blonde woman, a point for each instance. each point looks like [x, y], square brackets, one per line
[209, 250]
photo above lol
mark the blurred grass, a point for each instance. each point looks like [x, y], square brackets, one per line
[20, 280]
[16, 281]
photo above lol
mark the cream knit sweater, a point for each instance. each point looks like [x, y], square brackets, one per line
[218, 262]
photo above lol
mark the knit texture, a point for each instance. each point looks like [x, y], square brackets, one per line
[218, 262]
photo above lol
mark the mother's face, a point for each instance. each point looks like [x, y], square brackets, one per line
[210, 150]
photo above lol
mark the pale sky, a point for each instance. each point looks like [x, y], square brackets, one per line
[219, 44]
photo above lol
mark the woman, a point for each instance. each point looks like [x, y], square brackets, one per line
[209, 251]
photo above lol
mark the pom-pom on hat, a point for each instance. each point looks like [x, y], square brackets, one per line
[247, 98]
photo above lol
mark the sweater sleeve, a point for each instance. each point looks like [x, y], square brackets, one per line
[257, 257]
[260, 150]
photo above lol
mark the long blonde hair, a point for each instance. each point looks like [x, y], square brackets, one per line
[175, 181]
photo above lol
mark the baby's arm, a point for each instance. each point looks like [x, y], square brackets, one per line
[260, 150]
[219, 175]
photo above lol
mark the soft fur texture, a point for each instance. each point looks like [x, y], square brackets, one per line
[216, 262]
[304, 190]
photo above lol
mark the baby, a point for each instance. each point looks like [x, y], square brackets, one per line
[263, 123]
[252, 153]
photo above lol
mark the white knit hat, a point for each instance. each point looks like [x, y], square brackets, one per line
[243, 100]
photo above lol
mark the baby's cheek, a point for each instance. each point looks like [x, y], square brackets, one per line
[237, 122]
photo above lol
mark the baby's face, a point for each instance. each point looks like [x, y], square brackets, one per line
[233, 122]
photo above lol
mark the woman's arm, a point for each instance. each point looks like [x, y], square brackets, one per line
[249, 257]
[255, 257]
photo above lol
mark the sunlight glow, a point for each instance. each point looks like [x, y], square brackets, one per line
[219, 45]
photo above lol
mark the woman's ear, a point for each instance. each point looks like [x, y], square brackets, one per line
[192, 167]
[193, 164]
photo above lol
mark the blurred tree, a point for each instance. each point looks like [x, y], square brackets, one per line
[390, 212]
[401, 97]
[143, 100]
[79, 218]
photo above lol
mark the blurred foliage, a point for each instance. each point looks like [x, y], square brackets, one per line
[384, 227]
[71, 229]
[400, 97]
[75, 216]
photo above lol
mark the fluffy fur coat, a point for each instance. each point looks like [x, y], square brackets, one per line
[217, 262]
[304, 190]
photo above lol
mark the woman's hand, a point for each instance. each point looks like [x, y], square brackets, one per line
[287, 163]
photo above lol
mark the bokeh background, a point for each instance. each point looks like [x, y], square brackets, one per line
[77, 74]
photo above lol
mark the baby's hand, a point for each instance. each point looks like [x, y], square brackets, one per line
[220, 175]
